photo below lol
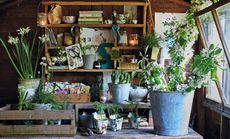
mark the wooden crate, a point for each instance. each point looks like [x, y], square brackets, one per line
[12, 115]
[73, 98]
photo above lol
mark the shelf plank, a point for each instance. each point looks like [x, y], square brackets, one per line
[129, 47]
[104, 3]
[95, 25]
[141, 105]
[119, 47]
[86, 70]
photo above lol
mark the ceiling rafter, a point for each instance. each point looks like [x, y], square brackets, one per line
[181, 2]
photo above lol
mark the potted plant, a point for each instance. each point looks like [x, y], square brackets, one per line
[100, 119]
[88, 59]
[120, 86]
[43, 100]
[114, 118]
[133, 114]
[21, 55]
[138, 93]
[171, 91]
[152, 41]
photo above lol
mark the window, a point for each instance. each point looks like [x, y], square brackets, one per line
[224, 18]
[211, 34]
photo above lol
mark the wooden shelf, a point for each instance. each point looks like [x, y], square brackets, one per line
[82, 3]
[95, 25]
[129, 47]
[119, 47]
[86, 70]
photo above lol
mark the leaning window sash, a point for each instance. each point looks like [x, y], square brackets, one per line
[212, 9]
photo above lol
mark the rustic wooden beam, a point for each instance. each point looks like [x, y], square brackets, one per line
[212, 7]
[181, 2]
[11, 4]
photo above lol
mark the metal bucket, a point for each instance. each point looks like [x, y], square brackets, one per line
[88, 61]
[171, 112]
[120, 93]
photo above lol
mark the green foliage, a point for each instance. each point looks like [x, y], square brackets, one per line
[176, 77]
[43, 97]
[24, 104]
[151, 40]
[21, 52]
[99, 106]
[120, 77]
[85, 48]
[114, 109]
[204, 65]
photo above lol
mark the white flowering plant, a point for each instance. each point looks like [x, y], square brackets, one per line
[180, 38]
[21, 52]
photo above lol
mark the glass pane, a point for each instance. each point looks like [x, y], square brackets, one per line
[224, 17]
[212, 36]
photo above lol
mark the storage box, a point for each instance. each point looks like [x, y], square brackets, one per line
[73, 98]
[37, 129]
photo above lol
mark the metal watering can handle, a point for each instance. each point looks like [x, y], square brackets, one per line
[75, 30]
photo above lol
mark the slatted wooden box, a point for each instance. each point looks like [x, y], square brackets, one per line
[73, 98]
[41, 129]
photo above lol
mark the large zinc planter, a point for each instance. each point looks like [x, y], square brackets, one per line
[120, 93]
[171, 112]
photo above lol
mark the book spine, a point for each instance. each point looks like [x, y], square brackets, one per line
[90, 12]
[90, 15]
[90, 19]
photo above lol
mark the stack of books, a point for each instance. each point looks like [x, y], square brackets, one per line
[90, 17]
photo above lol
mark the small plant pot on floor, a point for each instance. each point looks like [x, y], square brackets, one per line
[86, 121]
[101, 125]
[116, 124]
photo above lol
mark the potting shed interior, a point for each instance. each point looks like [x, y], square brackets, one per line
[115, 69]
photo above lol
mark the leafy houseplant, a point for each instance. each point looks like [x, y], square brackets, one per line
[115, 119]
[120, 86]
[152, 40]
[42, 100]
[171, 91]
[22, 52]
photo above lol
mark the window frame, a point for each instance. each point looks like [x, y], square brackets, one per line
[223, 107]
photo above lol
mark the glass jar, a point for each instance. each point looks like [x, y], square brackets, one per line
[42, 19]
[133, 39]
[123, 39]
